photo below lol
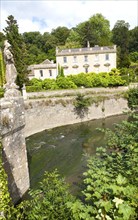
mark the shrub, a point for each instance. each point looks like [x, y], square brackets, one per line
[50, 200]
[65, 83]
[80, 80]
[81, 105]
[49, 84]
[34, 88]
[35, 82]
[132, 97]
[112, 176]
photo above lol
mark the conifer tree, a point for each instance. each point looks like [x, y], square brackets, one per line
[18, 49]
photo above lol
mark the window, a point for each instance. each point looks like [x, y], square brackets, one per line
[85, 58]
[41, 73]
[65, 59]
[96, 57]
[86, 69]
[50, 72]
[75, 59]
[107, 56]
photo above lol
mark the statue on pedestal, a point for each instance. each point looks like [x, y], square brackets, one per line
[11, 72]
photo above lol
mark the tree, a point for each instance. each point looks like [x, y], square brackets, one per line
[18, 48]
[120, 37]
[96, 30]
[133, 40]
[2, 38]
[61, 34]
[73, 40]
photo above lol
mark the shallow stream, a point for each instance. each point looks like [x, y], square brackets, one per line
[66, 148]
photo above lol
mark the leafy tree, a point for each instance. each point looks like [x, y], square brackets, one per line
[120, 37]
[18, 49]
[73, 40]
[134, 56]
[96, 30]
[61, 34]
[2, 38]
[133, 40]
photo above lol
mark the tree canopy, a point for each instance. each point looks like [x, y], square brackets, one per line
[18, 49]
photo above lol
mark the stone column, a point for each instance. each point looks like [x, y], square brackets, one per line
[12, 122]
[14, 153]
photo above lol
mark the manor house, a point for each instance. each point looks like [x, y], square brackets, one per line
[77, 60]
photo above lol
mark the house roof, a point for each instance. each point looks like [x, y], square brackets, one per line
[88, 50]
[46, 62]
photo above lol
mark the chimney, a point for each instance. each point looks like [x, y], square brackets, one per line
[88, 44]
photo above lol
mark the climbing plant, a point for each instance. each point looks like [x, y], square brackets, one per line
[2, 70]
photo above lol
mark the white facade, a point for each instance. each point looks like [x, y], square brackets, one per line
[78, 60]
[47, 69]
[91, 59]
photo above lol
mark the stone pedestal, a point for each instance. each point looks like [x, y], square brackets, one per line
[12, 122]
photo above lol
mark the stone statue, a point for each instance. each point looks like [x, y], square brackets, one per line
[11, 72]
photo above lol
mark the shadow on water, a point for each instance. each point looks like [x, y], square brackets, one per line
[66, 148]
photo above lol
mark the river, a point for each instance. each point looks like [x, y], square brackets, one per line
[66, 148]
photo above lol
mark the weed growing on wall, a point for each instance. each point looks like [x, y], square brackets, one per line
[81, 105]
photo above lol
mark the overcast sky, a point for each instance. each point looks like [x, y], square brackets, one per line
[38, 15]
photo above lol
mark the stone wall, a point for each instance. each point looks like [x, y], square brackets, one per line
[49, 113]
[12, 123]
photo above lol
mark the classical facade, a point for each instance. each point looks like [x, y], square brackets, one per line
[77, 60]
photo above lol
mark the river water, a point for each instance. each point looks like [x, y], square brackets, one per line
[66, 148]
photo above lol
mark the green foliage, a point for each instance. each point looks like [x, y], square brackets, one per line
[96, 30]
[112, 176]
[18, 48]
[34, 85]
[90, 80]
[65, 83]
[120, 37]
[2, 69]
[133, 39]
[50, 200]
[61, 34]
[134, 56]
[49, 84]
[60, 71]
[34, 88]
[132, 97]
[1, 92]
[81, 105]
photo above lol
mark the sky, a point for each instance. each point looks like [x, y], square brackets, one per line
[45, 15]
